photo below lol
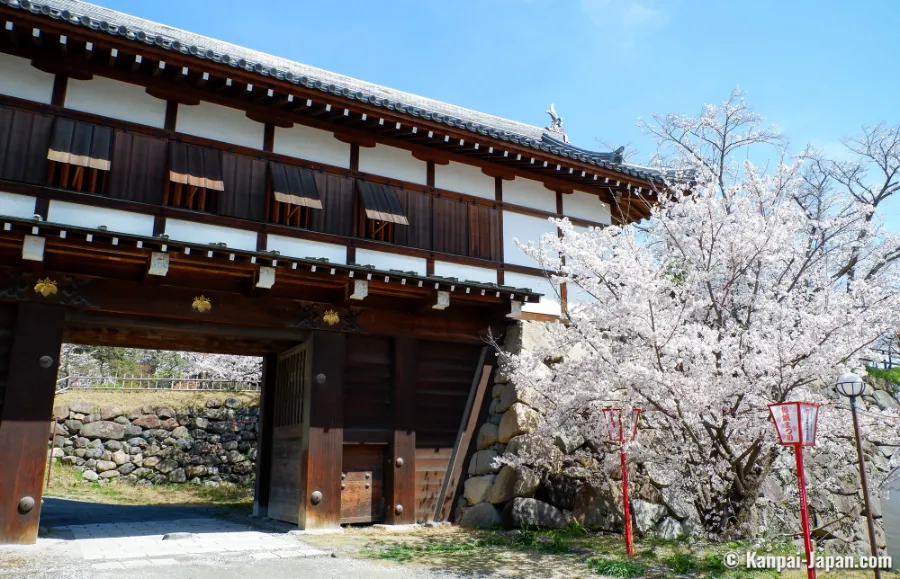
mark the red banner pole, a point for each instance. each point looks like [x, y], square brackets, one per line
[629, 542]
[804, 514]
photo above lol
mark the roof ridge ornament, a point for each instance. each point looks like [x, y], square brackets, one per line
[556, 124]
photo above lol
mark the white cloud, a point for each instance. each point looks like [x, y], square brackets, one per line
[622, 22]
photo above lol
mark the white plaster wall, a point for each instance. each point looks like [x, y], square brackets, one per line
[549, 303]
[525, 228]
[586, 206]
[465, 272]
[221, 124]
[464, 179]
[14, 205]
[302, 248]
[117, 100]
[313, 145]
[387, 261]
[19, 79]
[392, 162]
[93, 217]
[529, 193]
[203, 233]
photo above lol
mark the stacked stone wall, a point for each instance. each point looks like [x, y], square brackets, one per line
[158, 445]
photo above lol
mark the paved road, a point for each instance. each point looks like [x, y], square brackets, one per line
[91, 541]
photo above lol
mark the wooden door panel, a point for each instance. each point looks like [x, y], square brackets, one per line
[362, 483]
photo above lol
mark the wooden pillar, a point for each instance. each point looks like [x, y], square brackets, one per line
[323, 442]
[25, 417]
[264, 448]
[400, 495]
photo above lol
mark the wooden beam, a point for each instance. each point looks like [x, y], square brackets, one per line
[323, 437]
[36, 338]
[464, 437]
[401, 471]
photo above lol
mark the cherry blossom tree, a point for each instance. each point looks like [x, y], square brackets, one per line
[724, 301]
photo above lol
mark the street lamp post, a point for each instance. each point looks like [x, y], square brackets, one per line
[852, 386]
[618, 433]
[796, 426]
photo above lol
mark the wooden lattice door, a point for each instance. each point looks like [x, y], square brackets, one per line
[285, 490]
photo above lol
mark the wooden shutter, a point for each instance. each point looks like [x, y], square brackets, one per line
[138, 168]
[449, 225]
[244, 195]
[417, 207]
[336, 216]
[24, 141]
[484, 232]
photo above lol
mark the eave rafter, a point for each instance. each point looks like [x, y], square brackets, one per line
[283, 102]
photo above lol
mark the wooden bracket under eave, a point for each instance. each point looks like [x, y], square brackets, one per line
[265, 277]
[61, 66]
[159, 263]
[277, 121]
[443, 301]
[360, 289]
[501, 172]
[355, 139]
[434, 157]
[558, 189]
[167, 94]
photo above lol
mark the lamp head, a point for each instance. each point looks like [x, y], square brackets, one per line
[850, 385]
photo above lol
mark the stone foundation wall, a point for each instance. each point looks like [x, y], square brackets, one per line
[210, 445]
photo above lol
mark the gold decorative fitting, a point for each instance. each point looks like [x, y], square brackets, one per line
[46, 287]
[202, 304]
[331, 317]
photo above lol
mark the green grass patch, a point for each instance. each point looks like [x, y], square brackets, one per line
[616, 567]
[681, 562]
[891, 375]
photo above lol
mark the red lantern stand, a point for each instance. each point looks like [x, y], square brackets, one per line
[796, 426]
[617, 434]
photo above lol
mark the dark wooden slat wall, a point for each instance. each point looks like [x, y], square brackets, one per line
[443, 380]
[138, 168]
[484, 232]
[24, 141]
[417, 208]
[27, 405]
[336, 215]
[449, 225]
[244, 196]
[368, 383]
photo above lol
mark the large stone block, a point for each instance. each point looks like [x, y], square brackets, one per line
[598, 505]
[512, 482]
[109, 412]
[104, 430]
[81, 407]
[477, 488]
[519, 419]
[526, 513]
[558, 490]
[481, 516]
[105, 465]
[526, 336]
[669, 528]
[120, 458]
[646, 514]
[536, 450]
[483, 463]
[516, 393]
[147, 421]
[487, 435]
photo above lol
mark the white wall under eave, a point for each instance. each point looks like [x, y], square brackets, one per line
[13, 205]
[117, 100]
[465, 272]
[312, 144]
[387, 261]
[529, 193]
[549, 303]
[586, 206]
[19, 79]
[524, 228]
[466, 179]
[394, 163]
[220, 124]
[303, 248]
[205, 234]
[91, 217]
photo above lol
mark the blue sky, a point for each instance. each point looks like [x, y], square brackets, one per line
[817, 69]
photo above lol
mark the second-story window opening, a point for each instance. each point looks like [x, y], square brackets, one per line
[195, 177]
[382, 210]
[79, 156]
[294, 195]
